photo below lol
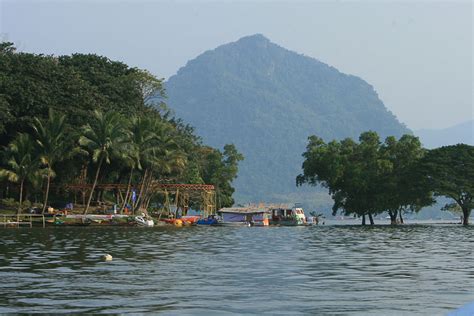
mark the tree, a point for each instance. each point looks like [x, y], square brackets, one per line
[164, 159]
[143, 143]
[220, 169]
[348, 169]
[33, 85]
[105, 134]
[52, 143]
[22, 163]
[150, 86]
[449, 171]
[401, 189]
[367, 178]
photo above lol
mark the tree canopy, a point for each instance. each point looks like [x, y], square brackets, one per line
[367, 177]
[449, 171]
[59, 102]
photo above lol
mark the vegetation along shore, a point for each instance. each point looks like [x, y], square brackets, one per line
[85, 121]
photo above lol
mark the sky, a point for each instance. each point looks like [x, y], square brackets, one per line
[418, 55]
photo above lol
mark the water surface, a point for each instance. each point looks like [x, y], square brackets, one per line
[336, 270]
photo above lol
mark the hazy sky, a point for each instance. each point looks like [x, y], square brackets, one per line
[417, 55]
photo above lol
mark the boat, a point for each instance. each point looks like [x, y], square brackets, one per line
[75, 222]
[144, 221]
[286, 216]
[242, 216]
[211, 220]
[181, 221]
[190, 219]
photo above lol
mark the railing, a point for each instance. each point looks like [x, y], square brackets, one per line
[13, 220]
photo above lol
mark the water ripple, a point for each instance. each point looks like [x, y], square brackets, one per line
[337, 270]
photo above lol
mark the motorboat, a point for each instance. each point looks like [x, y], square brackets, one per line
[144, 221]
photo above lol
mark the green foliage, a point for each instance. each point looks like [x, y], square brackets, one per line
[22, 164]
[50, 137]
[220, 168]
[74, 85]
[102, 109]
[22, 159]
[367, 178]
[103, 135]
[449, 171]
[402, 188]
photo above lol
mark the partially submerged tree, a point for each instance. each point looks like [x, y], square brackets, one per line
[401, 189]
[367, 178]
[449, 171]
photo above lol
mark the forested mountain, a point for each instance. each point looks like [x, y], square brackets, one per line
[267, 100]
[460, 133]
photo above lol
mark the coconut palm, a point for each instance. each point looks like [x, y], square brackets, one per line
[141, 146]
[169, 157]
[164, 158]
[105, 134]
[52, 144]
[22, 163]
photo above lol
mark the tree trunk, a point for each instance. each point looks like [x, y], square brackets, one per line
[393, 217]
[93, 185]
[466, 212]
[363, 220]
[141, 191]
[371, 219]
[129, 185]
[21, 196]
[47, 190]
[401, 217]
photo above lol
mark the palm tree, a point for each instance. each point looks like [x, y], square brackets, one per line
[169, 157]
[52, 143]
[101, 138]
[141, 145]
[22, 163]
[163, 158]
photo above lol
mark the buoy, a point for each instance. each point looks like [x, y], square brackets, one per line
[107, 257]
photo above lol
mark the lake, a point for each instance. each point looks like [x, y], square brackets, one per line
[331, 269]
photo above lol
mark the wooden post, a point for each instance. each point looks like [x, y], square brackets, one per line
[176, 202]
[44, 222]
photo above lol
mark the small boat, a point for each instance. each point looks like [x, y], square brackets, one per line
[144, 221]
[211, 220]
[81, 222]
[190, 219]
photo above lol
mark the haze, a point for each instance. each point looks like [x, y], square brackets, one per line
[418, 56]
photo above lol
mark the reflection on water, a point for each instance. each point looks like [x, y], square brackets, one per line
[414, 269]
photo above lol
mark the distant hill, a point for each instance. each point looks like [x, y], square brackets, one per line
[267, 100]
[461, 133]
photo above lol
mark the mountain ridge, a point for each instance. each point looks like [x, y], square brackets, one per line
[459, 133]
[267, 100]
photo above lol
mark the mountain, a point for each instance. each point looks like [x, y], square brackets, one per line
[267, 100]
[461, 133]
